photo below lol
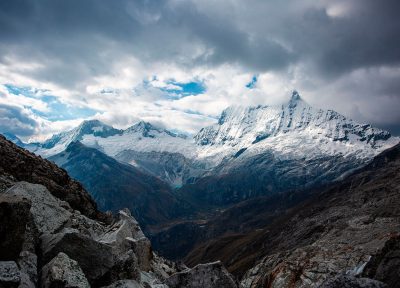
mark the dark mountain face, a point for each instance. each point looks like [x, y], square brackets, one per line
[173, 168]
[115, 185]
[241, 218]
[336, 230]
[22, 165]
[265, 175]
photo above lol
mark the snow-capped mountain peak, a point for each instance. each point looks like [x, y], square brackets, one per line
[147, 129]
[97, 128]
[292, 123]
[60, 141]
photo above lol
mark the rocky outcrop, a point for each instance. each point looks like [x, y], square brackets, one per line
[74, 250]
[25, 166]
[69, 241]
[62, 271]
[49, 213]
[211, 275]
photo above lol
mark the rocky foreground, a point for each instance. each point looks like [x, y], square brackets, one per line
[51, 235]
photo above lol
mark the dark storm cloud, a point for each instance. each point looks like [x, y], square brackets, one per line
[16, 121]
[369, 36]
[77, 40]
[78, 31]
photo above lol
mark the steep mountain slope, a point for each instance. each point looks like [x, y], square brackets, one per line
[21, 165]
[338, 230]
[14, 139]
[44, 242]
[115, 185]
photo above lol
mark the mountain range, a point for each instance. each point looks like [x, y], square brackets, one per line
[249, 152]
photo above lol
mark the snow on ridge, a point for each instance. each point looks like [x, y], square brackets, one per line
[292, 130]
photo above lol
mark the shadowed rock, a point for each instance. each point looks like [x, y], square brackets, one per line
[14, 216]
[9, 274]
[211, 275]
[95, 258]
[49, 213]
[61, 272]
[385, 265]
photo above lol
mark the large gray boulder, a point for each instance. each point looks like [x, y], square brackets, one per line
[10, 275]
[49, 213]
[124, 235]
[61, 272]
[95, 258]
[211, 275]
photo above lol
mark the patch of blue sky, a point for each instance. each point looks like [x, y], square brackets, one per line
[177, 90]
[26, 91]
[57, 110]
[252, 83]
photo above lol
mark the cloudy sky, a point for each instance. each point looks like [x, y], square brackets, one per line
[179, 63]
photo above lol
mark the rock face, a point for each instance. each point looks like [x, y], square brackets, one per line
[49, 213]
[61, 271]
[77, 251]
[95, 258]
[212, 275]
[45, 241]
[385, 265]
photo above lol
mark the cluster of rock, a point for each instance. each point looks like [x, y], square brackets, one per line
[45, 242]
